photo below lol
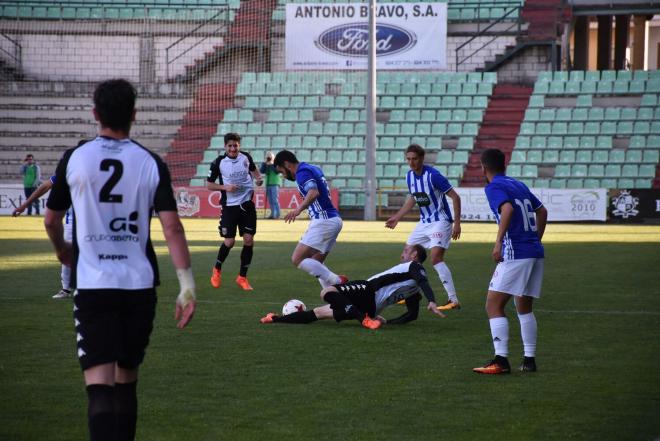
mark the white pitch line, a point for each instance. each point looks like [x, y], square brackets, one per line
[552, 311]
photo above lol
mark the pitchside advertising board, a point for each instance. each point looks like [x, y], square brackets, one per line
[335, 36]
[564, 205]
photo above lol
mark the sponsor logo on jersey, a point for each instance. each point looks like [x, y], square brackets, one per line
[113, 257]
[117, 225]
[422, 199]
[122, 224]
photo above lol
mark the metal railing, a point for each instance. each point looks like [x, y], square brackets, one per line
[16, 56]
[511, 9]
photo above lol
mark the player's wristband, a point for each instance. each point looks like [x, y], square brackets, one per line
[187, 284]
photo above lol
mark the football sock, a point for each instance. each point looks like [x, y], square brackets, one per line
[499, 329]
[528, 333]
[296, 317]
[66, 277]
[320, 271]
[340, 302]
[126, 410]
[223, 252]
[101, 412]
[246, 259]
[447, 282]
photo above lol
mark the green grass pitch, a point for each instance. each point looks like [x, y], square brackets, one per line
[227, 377]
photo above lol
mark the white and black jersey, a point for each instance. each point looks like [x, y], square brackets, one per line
[113, 186]
[400, 282]
[233, 171]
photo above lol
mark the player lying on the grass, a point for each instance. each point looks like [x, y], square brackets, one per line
[363, 300]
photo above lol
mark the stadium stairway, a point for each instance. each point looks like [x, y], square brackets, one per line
[500, 126]
[199, 125]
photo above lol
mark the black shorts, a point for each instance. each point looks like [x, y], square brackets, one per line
[243, 216]
[113, 325]
[360, 294]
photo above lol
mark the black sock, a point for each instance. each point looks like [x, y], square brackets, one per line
[296, 317]
[340, 302]
[101, 412]
[126, 410]
[223, 252]
[246, 259]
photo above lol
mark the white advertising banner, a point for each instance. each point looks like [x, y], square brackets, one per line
[563, 205]
[334, 36]
[13, 195]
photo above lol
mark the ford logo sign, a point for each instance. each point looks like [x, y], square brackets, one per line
[353, 40]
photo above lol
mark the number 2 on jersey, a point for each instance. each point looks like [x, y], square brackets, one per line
[106, 191]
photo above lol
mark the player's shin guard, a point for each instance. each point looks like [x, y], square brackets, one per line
[339, 302]
[246, 259]
[296, 317]
[101, 412]
[499, 329]
[126, 410]
[320, 271]
[223, 252]
[66, 277]
[528, 333]
[447, 282]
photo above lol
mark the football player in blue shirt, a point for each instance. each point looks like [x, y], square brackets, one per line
[436, 227]
[518, 251]
[325, 224]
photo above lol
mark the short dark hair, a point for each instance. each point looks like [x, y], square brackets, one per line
[416, 149]
[231, 136]
[421, 253]
[493, 160]
[284, 155]
[114, 101]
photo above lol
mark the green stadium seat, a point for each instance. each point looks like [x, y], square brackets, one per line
[580, 114]
[617, 156]
[197, 182]
[579, 170]
[591, 183]
[583, 101]
[600, 156]
[583, 156]
[643, 113]
[626, 183]
[538, 142]
[603, 142]
[643, 183]
[538, 101]
[612, 170]
[535, 156]
[649, 99]
[637, 141]
[562, 170]
[550, 156]
[465, 143]
[574, 183]
[541, 183]
[630, 170]
[547, 114]
[567, 156]
[596, 170]
[633, 156]
[588, 87]
[651, 156]
[518, 156]
[557, 183]
[653, 141]
[608, 183]
[643, 128]
[608, 128]
[647, 170]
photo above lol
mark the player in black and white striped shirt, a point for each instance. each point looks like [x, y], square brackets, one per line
[234, 171]
[114, 185]
[363, 300]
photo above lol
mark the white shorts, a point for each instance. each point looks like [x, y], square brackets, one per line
[322, 234]
[434, 234]
[521, 277]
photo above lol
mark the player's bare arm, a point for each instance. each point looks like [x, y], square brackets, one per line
[55, 231]
[506, 213]
[456, 202]
[407, 206]
[291, 216]
[256, 175]
[178, 247]
[42, 190]
[541, 220]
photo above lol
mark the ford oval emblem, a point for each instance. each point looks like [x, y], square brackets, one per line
[353, 40]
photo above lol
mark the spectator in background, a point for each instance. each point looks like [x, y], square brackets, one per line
[31, 180]
[273, 182]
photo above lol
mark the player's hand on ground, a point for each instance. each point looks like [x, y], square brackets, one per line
[391, 222]
[456, 231]
[185, 307]
[434, 309]
[497, 252]
[381, 319]
[291, 216]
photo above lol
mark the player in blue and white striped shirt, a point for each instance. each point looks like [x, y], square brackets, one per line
[325, 225]
[436, 227]
[519, 255]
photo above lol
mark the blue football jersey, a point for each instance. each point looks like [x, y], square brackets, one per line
[310, 177]
[429, 190]
[521, 240]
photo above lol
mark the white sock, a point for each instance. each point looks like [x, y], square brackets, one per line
[320, 271]
[66, 277]
[528, 333]
[447, 282]
[499, 329]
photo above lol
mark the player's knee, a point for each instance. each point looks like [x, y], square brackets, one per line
[229, 242]
[327, 290]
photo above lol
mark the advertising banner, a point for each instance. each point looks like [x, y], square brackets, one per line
[563, 205]
[334, 36]
[200, 202]
[13, 195]
[634, 206]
